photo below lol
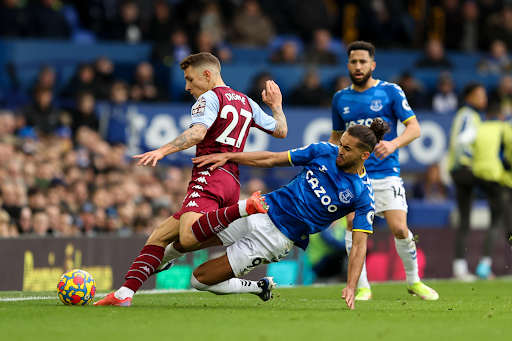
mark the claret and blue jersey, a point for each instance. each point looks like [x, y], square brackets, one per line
[320, 194]
[385, 100]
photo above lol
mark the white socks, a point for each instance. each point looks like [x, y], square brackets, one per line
[170, 253]
[363, 279]
[460, 267]
[406, 249]
[231, 286]
[123, 293]
[242, 205]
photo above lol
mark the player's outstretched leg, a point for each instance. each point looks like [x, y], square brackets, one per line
[216, 221]
[213, 222]
[262, 288]
[364, 292]
[216, 276]
[143, 266]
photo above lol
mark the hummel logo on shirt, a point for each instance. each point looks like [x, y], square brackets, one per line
[205, 173]
[199, 187]
[194, 195]
[192, 204]
[202, 180]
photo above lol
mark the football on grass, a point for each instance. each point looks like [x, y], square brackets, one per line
[76, 287]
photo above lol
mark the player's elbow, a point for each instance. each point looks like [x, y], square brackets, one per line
[418, 131]
[281, 133]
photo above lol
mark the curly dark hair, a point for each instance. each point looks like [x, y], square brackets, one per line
[369, 136]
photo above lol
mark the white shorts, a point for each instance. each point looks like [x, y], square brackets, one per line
[389, 195]
[252, 241]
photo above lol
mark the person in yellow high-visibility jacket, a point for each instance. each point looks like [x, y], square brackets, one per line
[488, 171]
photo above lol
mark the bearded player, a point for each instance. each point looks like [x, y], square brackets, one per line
[221, 118]
[361, 103]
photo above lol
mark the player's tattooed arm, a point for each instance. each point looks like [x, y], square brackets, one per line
[185, 140]
[281, 124]
[272, 97]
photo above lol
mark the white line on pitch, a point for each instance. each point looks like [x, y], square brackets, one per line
[141, 292]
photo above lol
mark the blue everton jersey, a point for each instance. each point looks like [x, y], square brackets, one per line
[385, 100]
[320, 194]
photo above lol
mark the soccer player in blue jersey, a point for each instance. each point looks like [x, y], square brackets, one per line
[360, 104]
[332, 183]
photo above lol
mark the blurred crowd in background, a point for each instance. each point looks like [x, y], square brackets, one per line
[64, 171]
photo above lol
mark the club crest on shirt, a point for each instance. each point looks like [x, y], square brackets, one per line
[376, 105]
[198, 108]
[370, 216]
[346, 196]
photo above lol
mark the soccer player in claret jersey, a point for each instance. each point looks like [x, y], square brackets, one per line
[221, 118]
[361, 103]
[332, 183]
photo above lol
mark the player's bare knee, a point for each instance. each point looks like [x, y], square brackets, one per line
[401, 232]
[188, 241]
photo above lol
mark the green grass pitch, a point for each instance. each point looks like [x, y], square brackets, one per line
[465, 311]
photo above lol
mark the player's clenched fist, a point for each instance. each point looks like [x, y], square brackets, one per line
[152, 156]
[271, 95]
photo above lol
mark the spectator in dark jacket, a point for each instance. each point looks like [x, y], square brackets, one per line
[144, 87]
[288, 53]
[310, 92]
[84, 114]
[103, 78]
[251, 26]
[319, 53]
[127, 26]
[82, 81]
[46, 22]
[41, 114]
[434, 56]
[162, 24]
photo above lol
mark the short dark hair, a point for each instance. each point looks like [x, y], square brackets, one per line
[199, 59]
[361, 45]
[494, 109]
[369, 136]
[469, 88]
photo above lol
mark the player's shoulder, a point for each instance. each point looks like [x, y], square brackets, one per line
[389, 87]
[320, 148]
[328, 146]
[366, 189]
[342, 92]
[209, 95]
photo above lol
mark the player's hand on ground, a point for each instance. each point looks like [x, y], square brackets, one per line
[349, 295]
[384, 149]
[271, 95]
[152, 156]
[218, 160]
